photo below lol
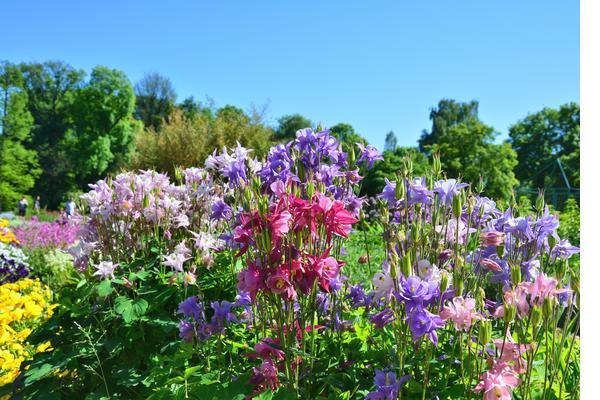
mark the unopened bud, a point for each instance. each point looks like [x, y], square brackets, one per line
[400, 189]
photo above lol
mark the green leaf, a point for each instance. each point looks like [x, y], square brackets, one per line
[129, 309]
[104, 288]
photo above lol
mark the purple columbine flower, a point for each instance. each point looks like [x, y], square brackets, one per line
[220, 211]
[369, 155]
[447, 189]
[236, 172]
[186, 331]
[222, 315]
[389, 192]
[383, 318]
[190, 308]
[421, 322]
[387, 386]
[356, 295]
[415, 292]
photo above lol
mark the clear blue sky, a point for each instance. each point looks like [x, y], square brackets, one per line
[378, 65]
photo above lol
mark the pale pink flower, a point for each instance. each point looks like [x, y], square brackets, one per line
[499, 382]
[516, 297]
[106, 269]
[461, 311]
[384, 284]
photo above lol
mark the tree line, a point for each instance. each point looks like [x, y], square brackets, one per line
[61, 129]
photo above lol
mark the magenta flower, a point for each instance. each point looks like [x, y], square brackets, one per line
[279, 283]
[493, 238]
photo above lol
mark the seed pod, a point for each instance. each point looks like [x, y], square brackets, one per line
[510, 311]
[351, 158]
[515, 274]
[536, 316]
[457, 206]
[485, 332]
[400, 189]
[458, 283]
[406, 266]
[443, 281]
[547, 307]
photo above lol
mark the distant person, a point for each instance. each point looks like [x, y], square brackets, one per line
[23, 203]
[70, 208]
[36, 204]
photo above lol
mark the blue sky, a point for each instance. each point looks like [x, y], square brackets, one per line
[378, 65]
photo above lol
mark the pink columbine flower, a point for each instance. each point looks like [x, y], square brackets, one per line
[499, 382]
[516, 297]
[461, 312]
[493, 238]
[543, 287]
[491, 265]
[512, 353]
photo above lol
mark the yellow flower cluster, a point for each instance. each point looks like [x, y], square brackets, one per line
[23, 305]
[6, 236]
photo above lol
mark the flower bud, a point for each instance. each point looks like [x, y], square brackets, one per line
[480, 185]
[436, 164]
[178, 174]
[363, 259]
[539, 202]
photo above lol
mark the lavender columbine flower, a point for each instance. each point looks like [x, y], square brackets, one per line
[236, 172]
[418, 193]
[106, 269]
[387, 386]
[389, 192]
[564, 250]
[421, 322]
[369, 155]
[447, 189]
[222, 315]
[383, 318]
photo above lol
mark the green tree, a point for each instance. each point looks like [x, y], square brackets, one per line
[542, 138]
[346, 134]
[374, 180]
[448, 114]
[468, 151]
[18, 165]
[289, 125]
[391, 141]
[104, 129]
[51, 88]
[467, 148]
[155, 99]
